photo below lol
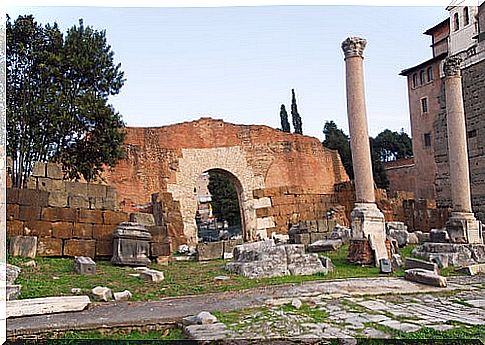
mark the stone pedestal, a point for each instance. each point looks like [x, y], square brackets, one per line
[463, 227]
[131, 245]
[368, 223]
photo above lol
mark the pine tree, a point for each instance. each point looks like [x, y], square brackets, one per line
[285, 125]
[294, 114]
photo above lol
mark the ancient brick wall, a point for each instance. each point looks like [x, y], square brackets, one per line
[169, 159]
[401, 175]
[473, 83]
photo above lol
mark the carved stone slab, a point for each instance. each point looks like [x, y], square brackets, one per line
[46, 305]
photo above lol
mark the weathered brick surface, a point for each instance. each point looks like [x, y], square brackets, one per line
[159, 249]
[90, 216]
[103, 232]
[29, 213]
[12, 211]
[62, 229]
[29, 197]
[80, 248]
[15, 228]
[38, 228]
[83, 230]
[49, 246]
[104, 248]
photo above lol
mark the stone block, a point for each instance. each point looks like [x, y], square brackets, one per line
[59, 214]
[76, 188]
[322, 225]
[158, 232]
[90, 216]
[312, 226]
[23, 246]
[440, 259]
[102, 294]
[83, 230]
[62, 229]
[39, 228]
[413, 238]
[78, 201]
[114, 218]
[57, 199]
[13, 291]
[316, 236]
[302, 238]
[263, 202]
[425, 277]
[54, 171]
[160, 249]
[29, 213]
[146, 219]
[109, 204]
[325, 246]
[80, 248]
[15, 228]
[31, 182]
[50, 185]
[340, 232]
[411, 263]
[152, 275]
[473, 269]
[265, 223]
[229, 245]
[39, 169]
[306, 265]
[103, 232]
[104, 248]
[209, 250]
[12, 211]
[385, 266]
[96, 190]
[84, 265]
[12, 196]
[122, 296]
[33, 197]
[327, 263]
[49, 246]
[131, 245]
[11, 273]
[439, 236]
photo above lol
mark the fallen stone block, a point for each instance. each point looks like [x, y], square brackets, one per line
[209, 250]
[296, 303]
[46, 305]
[306, 265]
[439, 236]
[325, 246]
[340, 232]
[473, 269]
[397, 231]
[76, 290]
[221, 278]
[13, 291]
[425, 277]
[23, 246]
[385, 266]
[152, 275]
[203, 318]
[84, 265]
[12, 272]
[411, 263]
[122, 296]
[101, 293]
[440, 259]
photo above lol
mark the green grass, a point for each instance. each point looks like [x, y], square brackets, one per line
[181, 278]
[169, 334]
[315, 314]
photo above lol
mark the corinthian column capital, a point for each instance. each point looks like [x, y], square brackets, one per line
[354, 46]
[451, 66]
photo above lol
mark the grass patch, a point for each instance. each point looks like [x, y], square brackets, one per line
[313, 313]
[168, 334]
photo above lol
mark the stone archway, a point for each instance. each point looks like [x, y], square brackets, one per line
[230, 160]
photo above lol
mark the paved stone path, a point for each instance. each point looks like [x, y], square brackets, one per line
[340, 298]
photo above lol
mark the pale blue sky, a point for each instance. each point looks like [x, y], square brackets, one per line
[240, 63]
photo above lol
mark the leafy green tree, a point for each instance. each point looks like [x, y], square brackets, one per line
[393, 145]
[378, 171]
[285, 125]
[225, 204]
[336, 139]
[296, 118]
[57, 99]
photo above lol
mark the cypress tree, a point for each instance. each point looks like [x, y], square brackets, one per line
[285, 125]
[294, 114]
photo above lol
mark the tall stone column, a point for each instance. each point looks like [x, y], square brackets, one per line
[367, 221]
[462, 226]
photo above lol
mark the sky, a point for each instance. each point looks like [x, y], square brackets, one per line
[239, 64]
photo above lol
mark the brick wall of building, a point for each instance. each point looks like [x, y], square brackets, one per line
[401, 175]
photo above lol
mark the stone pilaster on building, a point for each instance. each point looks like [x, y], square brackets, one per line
[462, 226]
[367, 221]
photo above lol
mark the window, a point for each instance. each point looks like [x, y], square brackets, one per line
[456, 21]
[421, 77]
[415, 80]
[430, 74]
[427, 139]
[424, 105]
[466, 17]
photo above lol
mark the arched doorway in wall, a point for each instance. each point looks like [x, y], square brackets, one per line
[219, 198]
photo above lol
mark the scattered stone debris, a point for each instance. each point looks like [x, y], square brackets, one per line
[473, 269]
[265, 259]
[440, 259]
[163, 260]
[122, 296]
[12, 272]
[296, 303]
[340, 232]
[397, 231]
[30, 263]
[203, 318]
[327, 263]
[411, 263]
[459, 255]
[152, 275]
[134, 274]
[46, 305]
[396, 261]
[183, 249]
[84, 265]
[101, 293]
[423, 276]
[325, 246]
[413, 238]
[76, 290]
[221, 278]
[13, 291]
[23, 246]
[439, 236]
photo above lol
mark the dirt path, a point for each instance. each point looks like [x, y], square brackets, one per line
[171, 310]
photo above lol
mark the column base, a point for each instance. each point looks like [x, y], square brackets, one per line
[463, 227]
[368, 223]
